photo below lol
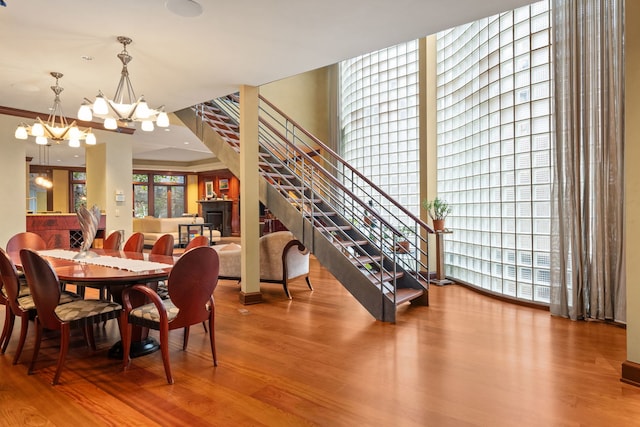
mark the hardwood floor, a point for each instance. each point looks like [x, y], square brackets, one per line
[320, 359]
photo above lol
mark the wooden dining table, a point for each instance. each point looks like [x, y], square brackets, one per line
[114, 270]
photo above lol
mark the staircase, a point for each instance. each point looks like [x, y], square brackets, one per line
[334, 210]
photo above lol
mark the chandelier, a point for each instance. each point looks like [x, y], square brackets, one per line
[125, 108]
[56, 127]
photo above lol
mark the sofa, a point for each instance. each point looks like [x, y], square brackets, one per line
[282, 258]
[153, 228]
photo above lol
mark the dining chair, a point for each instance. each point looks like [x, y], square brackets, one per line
[26, 239]
[113, 241]
[197, 241]
[23, 240]
[191, 283]
[18, 305]
[163, 246]
[135, 243]
[83, 313]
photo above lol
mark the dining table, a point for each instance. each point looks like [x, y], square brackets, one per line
[115, 270]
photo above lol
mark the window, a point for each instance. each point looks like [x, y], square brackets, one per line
[162, 196]
[78, 182]
[494, 105]
[379, 114]
[494, 135]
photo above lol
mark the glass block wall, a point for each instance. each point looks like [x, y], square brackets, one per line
[494, 100]
[379, 113]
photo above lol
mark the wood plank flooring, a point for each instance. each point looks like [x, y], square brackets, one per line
[320, 359]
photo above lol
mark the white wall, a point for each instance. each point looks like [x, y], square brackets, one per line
[109, 169]
[13, 181]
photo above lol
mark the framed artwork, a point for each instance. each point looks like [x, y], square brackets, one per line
[208, 189]
[224, 184]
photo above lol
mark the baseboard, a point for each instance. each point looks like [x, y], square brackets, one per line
[250, 298]
[630, 373]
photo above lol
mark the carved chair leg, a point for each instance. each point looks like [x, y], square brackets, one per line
[212, 337]
[24, 327]
[36, 347]
[185, 339]
[125, 334]
[308, 282]
[286, 288]
[7, 330]
[64, 348]
[164, 348]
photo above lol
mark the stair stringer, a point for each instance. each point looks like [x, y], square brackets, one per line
[212, 139]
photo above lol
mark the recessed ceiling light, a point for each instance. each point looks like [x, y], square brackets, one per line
[167, 129]
[185, 8]
[87, 57]
[76, 156]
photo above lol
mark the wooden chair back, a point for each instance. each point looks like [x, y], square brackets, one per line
[44, 286]
[113, 241]
[10, 281]
[163, 246]
[196, 242]
[135, 243]
[28, 240]
[191, 283]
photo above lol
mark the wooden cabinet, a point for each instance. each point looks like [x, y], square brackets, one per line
[62, 230]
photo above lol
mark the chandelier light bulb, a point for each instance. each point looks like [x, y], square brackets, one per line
[21, 132]
[74, 133]
[163, 120]
[41, 140]
[147, 126]
[37, 129]
[75, 143]
[100, 106]
[84, 112]
[91, 139]
[142, 111]
[110, 123]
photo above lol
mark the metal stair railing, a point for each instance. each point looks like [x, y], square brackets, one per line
[329, 193]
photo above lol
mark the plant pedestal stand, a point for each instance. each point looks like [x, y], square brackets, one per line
[441, 278]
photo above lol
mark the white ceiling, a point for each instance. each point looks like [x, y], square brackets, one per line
[179, 61]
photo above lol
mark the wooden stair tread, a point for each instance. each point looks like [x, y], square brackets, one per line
[349, 243]
[405, 295]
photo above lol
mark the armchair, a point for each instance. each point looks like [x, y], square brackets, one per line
[283, 258]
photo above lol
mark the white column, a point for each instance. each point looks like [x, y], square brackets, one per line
[13, 191]
[249, 193]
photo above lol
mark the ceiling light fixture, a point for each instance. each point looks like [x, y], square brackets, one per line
[184, 8]
[56, 127]
[126, 108]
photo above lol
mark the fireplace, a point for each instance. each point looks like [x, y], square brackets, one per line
[218, 213]
[215, 219]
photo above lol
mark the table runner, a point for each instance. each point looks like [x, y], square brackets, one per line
[135, 265]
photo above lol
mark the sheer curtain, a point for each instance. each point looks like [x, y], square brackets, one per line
[588, 280]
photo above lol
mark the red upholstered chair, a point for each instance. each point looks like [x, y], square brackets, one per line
[18, 305]
[135, 243]
[45, 290]
[191, 283]
[24, 240]
[197, 241]
[163, 246]
[113, 241]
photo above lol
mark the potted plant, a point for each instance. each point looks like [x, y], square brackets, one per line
[438, 210]
[403, 243]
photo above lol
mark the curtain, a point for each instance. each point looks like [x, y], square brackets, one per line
[587, 262]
